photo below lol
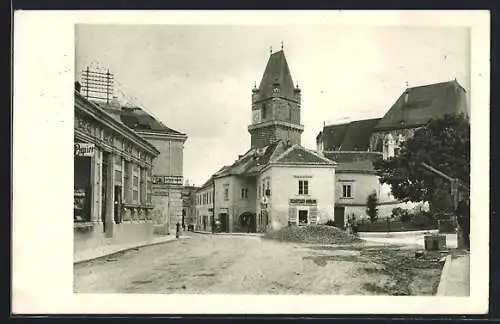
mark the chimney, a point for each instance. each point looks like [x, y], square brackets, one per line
[78, 86]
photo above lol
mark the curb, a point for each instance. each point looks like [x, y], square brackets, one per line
[124, 250]
[442, 287]
[232, 234]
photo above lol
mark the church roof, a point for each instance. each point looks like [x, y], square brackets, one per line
[276, 72]
[424, 103]
[352, 136]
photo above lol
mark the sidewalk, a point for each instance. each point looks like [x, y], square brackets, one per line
[455, 277]
[105, 250]
[223, 233]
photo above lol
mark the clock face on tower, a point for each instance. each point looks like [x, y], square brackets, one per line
[255, 116]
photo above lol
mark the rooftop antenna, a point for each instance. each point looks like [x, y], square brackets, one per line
[97, 85]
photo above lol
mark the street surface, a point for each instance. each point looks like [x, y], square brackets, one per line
[235, 264]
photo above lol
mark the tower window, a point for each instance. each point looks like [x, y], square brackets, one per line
[264, 111]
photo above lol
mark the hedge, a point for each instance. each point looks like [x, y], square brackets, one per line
[394, 226]
[446, 226]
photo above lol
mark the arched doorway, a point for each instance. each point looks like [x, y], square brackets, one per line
[247, 222]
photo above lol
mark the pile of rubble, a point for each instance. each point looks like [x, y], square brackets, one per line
[313, 234]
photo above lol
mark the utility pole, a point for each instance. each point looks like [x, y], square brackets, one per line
[455, 185]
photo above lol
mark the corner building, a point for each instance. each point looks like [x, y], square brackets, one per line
[112, 179]
[277, 182]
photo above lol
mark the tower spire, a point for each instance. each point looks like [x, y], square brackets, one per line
[281, 45]
[270, 50]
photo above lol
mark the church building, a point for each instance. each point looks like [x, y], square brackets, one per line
[355, 145]
[277, 182]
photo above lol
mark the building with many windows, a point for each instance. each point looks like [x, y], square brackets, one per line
[277, 182]
[112, 178]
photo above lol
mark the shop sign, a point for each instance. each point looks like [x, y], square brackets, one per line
[303, 201]
[84, 149]
[159, 192]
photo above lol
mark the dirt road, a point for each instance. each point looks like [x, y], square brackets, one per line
[244, 265]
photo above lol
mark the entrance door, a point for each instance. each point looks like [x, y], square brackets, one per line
[303, 217]
[224, 222]
[339, 217]
[118, 204]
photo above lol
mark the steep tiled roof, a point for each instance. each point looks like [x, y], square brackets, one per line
[353, 136]
[424, 103]
[252, 161]
[299, 154]
[277, 71]
[138, 119]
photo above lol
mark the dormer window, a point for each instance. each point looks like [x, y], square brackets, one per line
[276, 91]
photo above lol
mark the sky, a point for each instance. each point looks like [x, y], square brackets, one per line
[198, 79]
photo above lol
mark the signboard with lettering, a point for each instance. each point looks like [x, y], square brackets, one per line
[159, 190]
[84, 149]
[303, 201]
[156, 179]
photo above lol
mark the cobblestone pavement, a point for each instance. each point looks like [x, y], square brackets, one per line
[233, 264]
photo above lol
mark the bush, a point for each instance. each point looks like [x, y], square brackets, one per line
[371, 207]
[330, 223]
[401, 214]
[446, 226]
[395, 226]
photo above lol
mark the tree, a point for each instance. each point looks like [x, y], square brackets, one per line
[443, 144]
[371, 207]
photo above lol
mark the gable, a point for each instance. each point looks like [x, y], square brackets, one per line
[300, 155]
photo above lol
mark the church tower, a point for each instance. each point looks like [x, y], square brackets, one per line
[275, 105]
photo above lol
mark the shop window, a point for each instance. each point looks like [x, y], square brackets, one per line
[149, 185]
[303, 187]
[347, 191]
[118, 177]
[143, 183]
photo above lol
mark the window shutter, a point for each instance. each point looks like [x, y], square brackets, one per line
[292, 214]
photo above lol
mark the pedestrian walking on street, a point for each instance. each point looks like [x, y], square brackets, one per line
[178, 229]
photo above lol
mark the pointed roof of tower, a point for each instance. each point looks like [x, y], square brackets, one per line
[276, 71]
